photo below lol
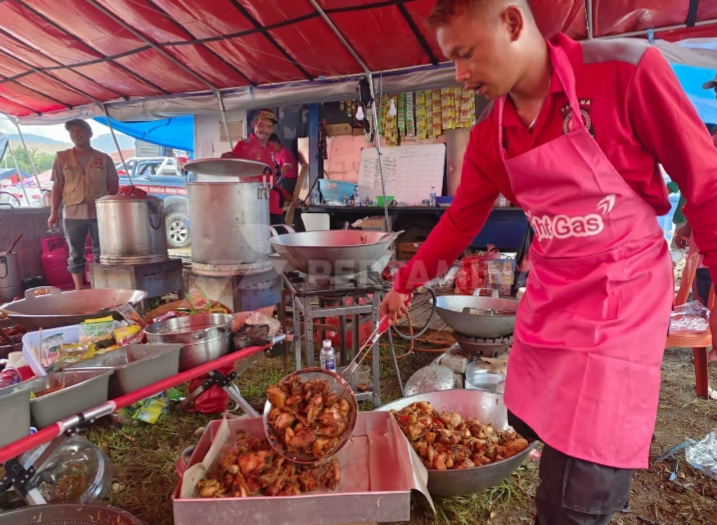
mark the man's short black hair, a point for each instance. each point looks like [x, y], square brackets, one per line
[274, 138]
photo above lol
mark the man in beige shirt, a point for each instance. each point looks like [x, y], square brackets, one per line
[81, 175]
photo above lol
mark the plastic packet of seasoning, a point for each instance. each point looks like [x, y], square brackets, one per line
[198, 299]
[74, 353]
[50, 348]
[128, 335]
[151, 409]
[93, 330]
[420, 98]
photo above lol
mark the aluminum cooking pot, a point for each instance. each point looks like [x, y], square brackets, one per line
[205, 337]
[494, 317]
[486, 408]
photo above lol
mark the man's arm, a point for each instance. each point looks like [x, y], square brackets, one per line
[112, 177]
[668, 126]
[459, 225]
[58, 184]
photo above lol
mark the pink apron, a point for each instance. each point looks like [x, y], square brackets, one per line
[584, 371]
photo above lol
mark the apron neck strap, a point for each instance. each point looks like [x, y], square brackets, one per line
[564, 71]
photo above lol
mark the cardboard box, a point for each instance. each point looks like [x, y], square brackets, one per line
[357, 132]
[334, 130]
[406, 250]
[376, 223]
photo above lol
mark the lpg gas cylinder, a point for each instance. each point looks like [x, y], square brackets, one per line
[55, 253]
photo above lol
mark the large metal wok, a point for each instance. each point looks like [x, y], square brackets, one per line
[333, 252]
[493, 317]
[486, 408]
[69, 308]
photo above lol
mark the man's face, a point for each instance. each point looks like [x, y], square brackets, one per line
[79, 136]
[263, 128]
[484, 49]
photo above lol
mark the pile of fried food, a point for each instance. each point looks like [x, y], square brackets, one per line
[306, 419]
[444, 440]
[252, 468]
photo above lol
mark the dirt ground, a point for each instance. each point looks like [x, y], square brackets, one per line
[145, 456]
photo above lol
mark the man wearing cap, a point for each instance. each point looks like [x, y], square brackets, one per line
[256, 148]
[80, 175]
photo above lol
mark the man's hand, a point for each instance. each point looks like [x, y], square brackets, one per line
[682, 237]
[395, 305]
[54, 221]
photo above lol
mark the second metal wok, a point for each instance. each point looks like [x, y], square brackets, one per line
[450, 308]
[333, 252]
[486, 408]
[69, 308]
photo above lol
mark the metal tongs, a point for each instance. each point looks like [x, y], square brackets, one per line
[382, 328]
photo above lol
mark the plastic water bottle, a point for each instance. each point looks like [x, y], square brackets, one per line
[315, 199]
[328, 356]
[356, 197]
[432, 196]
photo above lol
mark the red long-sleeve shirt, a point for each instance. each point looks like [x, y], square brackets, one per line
[639, 115]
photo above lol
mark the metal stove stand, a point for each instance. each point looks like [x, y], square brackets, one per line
[332, 295]
[157, 279]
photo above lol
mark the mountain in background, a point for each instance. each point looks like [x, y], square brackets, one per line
[106, 144]
[37, 139]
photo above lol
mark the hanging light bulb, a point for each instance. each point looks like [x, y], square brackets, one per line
[359, 113]
[392, 110]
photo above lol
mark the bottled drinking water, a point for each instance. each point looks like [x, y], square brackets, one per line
[315, 199]
[356, 197]
[432, 196]
[328, 356]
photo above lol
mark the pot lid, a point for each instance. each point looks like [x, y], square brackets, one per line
[430, 378]
[227, 167]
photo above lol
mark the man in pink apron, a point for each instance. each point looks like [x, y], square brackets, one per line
[574, 136]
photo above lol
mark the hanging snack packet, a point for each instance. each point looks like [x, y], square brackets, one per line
[50, 348]
[92, 330]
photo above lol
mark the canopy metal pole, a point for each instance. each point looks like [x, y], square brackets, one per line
[27, 151]
[17, 169]
[169, 57]
[589, 15]
[114, 137]
[660, 29]
[369, 75]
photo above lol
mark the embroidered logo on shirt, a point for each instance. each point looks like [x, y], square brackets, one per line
[564, 227]
[98, 163]
[567, 112]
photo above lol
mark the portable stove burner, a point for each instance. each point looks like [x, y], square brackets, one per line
[475, 346]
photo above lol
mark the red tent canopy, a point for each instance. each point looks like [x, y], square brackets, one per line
[60, 54]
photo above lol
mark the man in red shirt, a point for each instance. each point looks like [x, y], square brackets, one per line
[573, 136]
[256, 148]
[286, 161]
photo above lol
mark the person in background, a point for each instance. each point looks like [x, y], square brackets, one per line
[286, 161]
[80, 176]
[574, 136]
[256, 148]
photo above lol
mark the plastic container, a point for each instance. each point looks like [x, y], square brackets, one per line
[379, 200]
[328, 356]
[336, 190]
[484, 381]
[85, 389]
[70, 335]
[77, 459]
[14, 414]
[135, 366]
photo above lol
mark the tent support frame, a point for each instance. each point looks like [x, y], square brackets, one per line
[32, 162]
[17, 169]
[369, 75]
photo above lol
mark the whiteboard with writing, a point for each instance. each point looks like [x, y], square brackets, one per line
[409, 172]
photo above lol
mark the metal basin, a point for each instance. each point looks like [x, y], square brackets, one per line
[66, 514]
[204, 337]
[333, 252]
[450, 308]
[483, 406]
[69, 308]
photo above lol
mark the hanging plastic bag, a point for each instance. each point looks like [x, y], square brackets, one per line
[703, 455]
[690, 317]
[473, 273]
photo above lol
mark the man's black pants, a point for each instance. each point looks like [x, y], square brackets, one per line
[573, 491]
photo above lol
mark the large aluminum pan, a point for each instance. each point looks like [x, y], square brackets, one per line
[69, 308]
[333, 252]
[450, 308]
[378, 472]
[135, 366]
[204, 337]
[85, 389]
[14, 414]
[66, 514]
[486, 408]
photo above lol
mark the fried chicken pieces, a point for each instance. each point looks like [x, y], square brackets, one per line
[444, 440]
[253, 468]
[306, 418]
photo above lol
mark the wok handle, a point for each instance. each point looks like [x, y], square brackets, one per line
[390, 236]
[493, 292]
[288, 228]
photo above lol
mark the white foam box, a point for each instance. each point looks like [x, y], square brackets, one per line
[455, 362]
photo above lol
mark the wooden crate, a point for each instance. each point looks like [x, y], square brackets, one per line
[406, 250]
